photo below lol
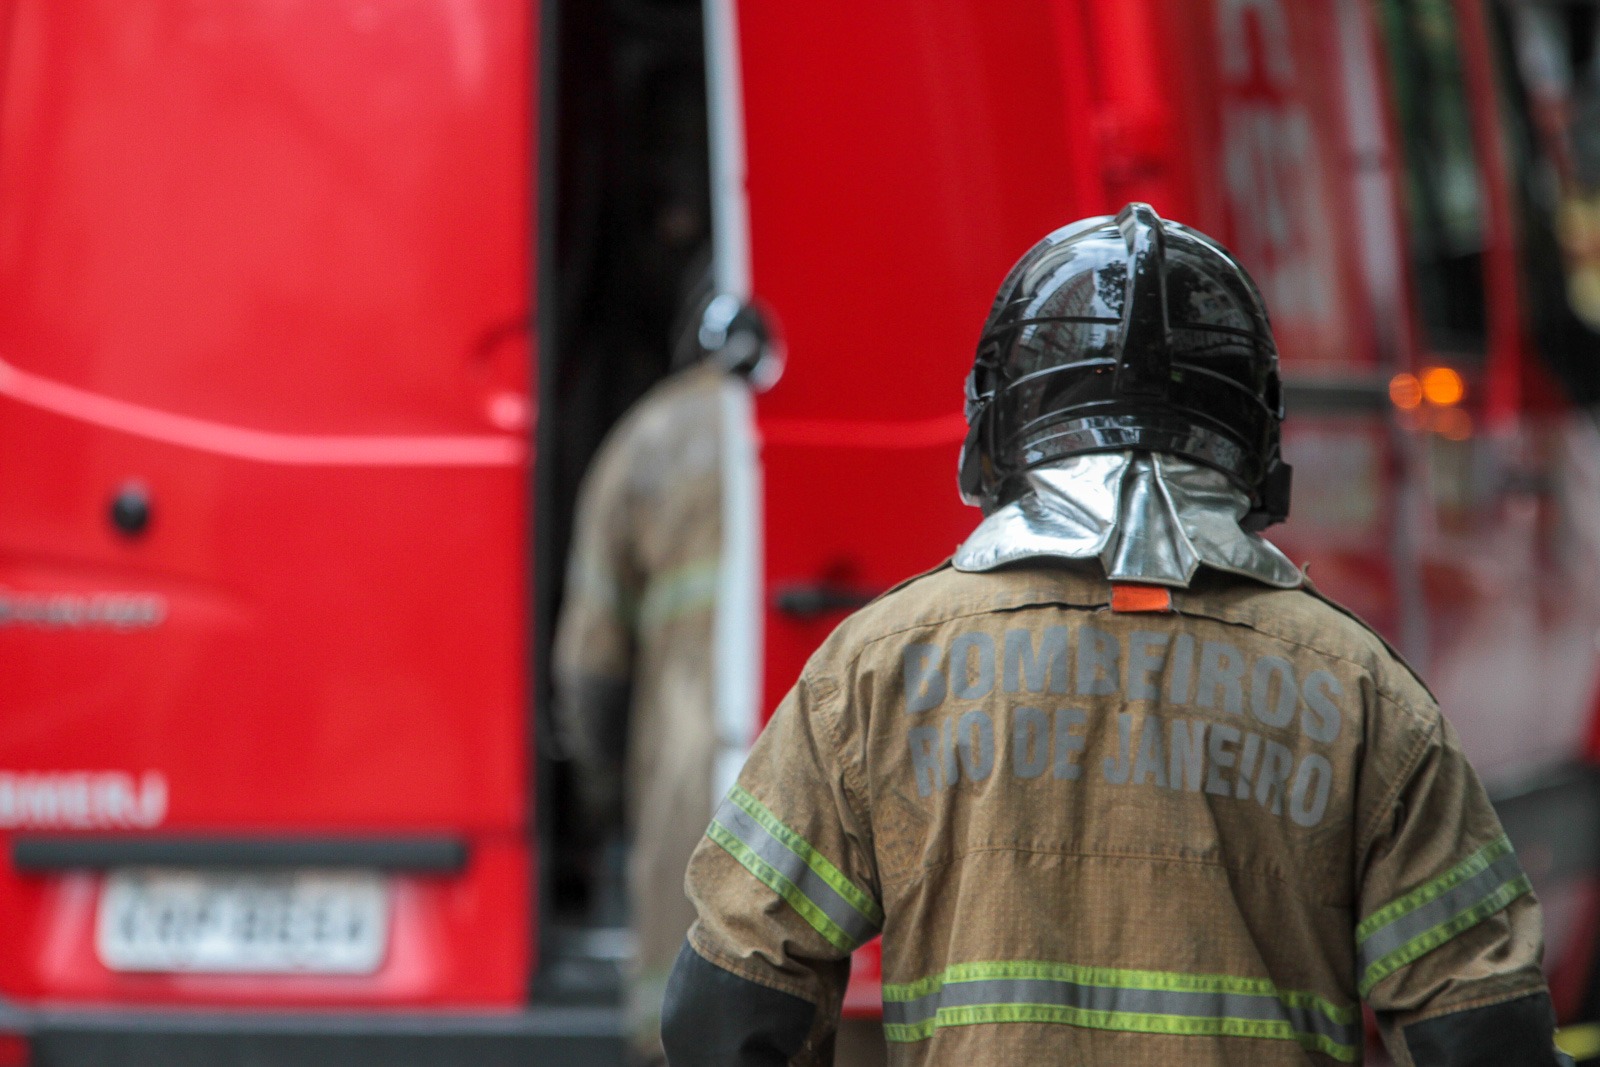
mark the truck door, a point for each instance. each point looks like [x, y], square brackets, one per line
[882, 206]
[262, 407]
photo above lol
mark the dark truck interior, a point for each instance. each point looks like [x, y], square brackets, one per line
[624, 226]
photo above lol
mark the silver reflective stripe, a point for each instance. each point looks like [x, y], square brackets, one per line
[1183, 1004]
[742, 825]
[1454, 902]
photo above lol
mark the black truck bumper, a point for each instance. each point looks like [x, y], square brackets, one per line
[546, 1036]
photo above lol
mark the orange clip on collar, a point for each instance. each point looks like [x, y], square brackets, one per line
[1127, 597]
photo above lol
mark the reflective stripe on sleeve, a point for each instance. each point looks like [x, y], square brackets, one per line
[588, 579]
[691, 587]
[1149, 1002]
[1422, 920]
[786, 863]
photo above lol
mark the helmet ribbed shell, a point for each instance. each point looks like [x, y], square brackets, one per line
[1126, 333]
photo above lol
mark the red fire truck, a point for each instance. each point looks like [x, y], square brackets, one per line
[313, 312]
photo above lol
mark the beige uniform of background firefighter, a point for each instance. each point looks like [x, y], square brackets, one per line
[635, 650]
[633, 655]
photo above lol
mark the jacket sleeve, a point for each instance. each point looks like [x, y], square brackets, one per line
[785, 889]
[594, 645]
[1448, 935]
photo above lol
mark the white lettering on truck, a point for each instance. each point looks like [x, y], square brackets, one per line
[82, 800]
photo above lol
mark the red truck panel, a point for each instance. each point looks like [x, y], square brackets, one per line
[933, 148]
[269, 263]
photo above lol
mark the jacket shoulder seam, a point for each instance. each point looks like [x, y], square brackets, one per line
[849, 777]
[1383, 691]
[940, 620]
[1392, 795]
[1394, 653]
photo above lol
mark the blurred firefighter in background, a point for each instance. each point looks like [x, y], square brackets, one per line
[1115, 783]
[634, 648]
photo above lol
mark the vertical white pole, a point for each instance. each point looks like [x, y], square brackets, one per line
[730, 207]
[737, 651]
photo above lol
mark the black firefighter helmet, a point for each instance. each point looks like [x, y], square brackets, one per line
[1127, 334]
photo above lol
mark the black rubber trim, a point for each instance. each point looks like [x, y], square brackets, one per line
[1513, 1033]
[714, 1018]
[42, 853]
[1341, 395]
[550, 1036]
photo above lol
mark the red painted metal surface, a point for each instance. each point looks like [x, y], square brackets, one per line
[935, 146]
[270, 263]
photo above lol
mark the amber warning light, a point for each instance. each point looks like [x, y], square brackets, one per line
[1440, 386]
[1406, 391]
[1442, 389]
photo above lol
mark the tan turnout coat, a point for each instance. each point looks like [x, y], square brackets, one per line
[1195, 837]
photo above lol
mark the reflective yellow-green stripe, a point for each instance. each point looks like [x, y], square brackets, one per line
[1438, 934]
[671, 594]
[677, 592]
[1419, 922]
[588, 580]
[1413, 900]
[1128, 1022]
[775, 880]
[857, 897]
[1177, 981]
[1157, 1002]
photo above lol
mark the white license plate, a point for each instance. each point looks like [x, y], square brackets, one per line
[320, 922]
